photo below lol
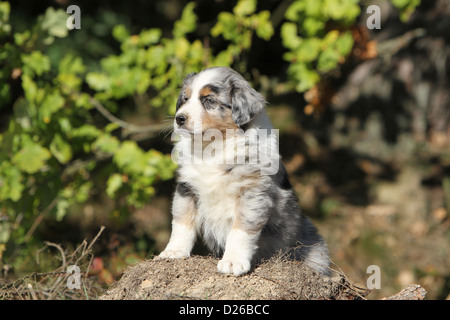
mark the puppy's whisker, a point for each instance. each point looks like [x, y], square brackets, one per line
[167, 130]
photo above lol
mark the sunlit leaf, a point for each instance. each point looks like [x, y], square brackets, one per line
[244, 7]
[52, 103]
[106, 143]
[113, 184]
[31, 158]
[86, 131]
[98, 81]
[289, 35]
[35, 63]
[54, 22]
[11, 182]
[70, 64]
[61, 149]
[149, 37]
[120, 32]
[187, 23]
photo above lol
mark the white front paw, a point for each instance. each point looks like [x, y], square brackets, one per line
[234, 266]
[174, 254]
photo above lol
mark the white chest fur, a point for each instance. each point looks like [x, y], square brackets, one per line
[217, 199]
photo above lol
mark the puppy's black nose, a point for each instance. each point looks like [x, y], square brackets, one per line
[181, 119]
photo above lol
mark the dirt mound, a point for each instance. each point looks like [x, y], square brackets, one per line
[197, 278]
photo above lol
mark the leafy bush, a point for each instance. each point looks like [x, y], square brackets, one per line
[318, 36]
[313, 47]
[56, 148]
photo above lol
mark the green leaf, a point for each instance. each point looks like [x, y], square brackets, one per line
[113, 184]
[35, 63]
[24, 114]
[264, 28]
[86, 131]
[21, 38]
[68, 83]
[83, 191]
[181, 48]
[130, 158]
[313, 8]
[156, 57]
[344, 43]
[244, 7]
[289, 35]
[106, 143]
[165, 167]
[406, 8]
[110, 127]
[196, 53]
[5, 27]
[304, 76]
[61, 208]
[113, 64]
[149, 37]
[98, 81]
[226, 26]
[187, 23]
[10, 182]
[84, 101]
[54, 22]
[223, 58]
[328, 60]
[70, 64]
[31, 158]
[312, 26]
[130, 81]
[65, 125]
[120, 33]
[294, 10]
[52, 103]
[60, 149]
[345, 11]
[29, 87]
[308, 50]
[5, 232]
[330, 38]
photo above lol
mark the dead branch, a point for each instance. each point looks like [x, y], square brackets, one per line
[412, 292]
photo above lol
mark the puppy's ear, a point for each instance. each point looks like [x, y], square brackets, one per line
[182, 97]
[246, 102]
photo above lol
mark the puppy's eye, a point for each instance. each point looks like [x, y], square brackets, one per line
[208, 100]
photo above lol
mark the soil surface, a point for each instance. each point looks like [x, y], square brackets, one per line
[197, 278]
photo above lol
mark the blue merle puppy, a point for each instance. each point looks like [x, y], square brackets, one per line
[243, 211]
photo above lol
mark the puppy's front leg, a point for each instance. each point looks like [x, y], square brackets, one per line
[183, 235]
[252, 213]
[239, 251]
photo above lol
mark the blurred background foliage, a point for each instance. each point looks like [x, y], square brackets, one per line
[85, 120]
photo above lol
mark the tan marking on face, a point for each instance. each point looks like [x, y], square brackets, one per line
[188, 92]
[205, 91]
[214, 120]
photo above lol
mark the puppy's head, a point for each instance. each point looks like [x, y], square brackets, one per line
[216, 98]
